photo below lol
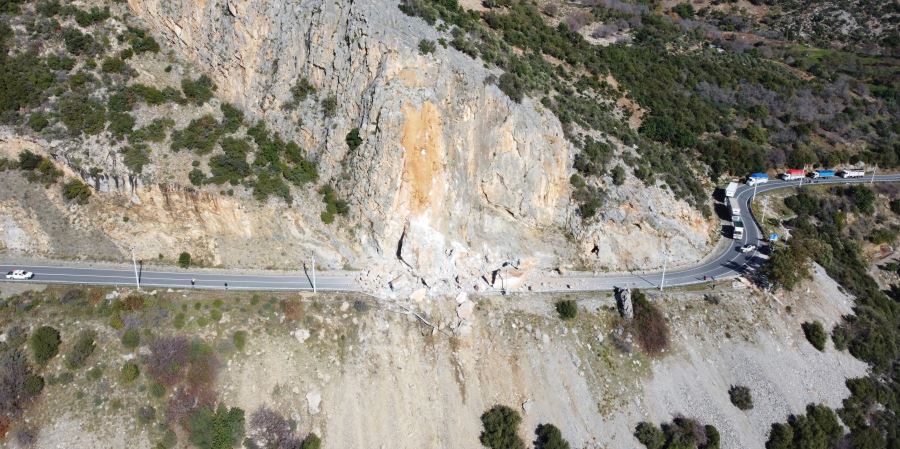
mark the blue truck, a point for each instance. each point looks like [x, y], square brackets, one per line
[822, 174]
[757, 178]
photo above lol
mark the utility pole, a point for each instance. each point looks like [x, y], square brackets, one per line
[662, 280]
[137, 279]
[314, 273]
[873, 175]
[754, 191]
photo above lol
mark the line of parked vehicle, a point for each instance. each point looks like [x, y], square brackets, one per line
[796, 173]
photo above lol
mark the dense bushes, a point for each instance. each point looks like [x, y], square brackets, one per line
[500, 428]
[198, 91]
[45, 344]
[200, 135]
[549, 437]
[819, 427]
[567, 309]
[184, 259]
[84, 347]
[680, 433]
[232, 166]
[353, 140]
[18, 385]
[82, 114]
[38, 168]
[333, 205]
[815, 334]
[222, 428]
[76, 191]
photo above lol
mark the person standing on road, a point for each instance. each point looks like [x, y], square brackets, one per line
[226, 286]
[193, 282]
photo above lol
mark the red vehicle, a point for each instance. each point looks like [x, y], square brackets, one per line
[793, 174]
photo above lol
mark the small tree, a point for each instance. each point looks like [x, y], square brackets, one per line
[45, 344]
[83, 349]
[740, 397]
[567, 309]
[426, 46]
[353, 139]
[500, 426]
[815, 333]
[329, 106]
[311, 441]
[77, 191]
[650, 435]
[131, 338]
[549, 437]
[618, 175]
[130, 372]
[184, 259]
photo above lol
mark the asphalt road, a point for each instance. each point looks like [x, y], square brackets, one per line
[728, 263]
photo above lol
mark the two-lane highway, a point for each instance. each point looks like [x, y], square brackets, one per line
[124, 275]
[727, 263]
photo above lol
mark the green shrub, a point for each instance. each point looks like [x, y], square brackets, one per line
[333, 205]
[78, 43]
[232, 166]
[311, 441]
[650, 435]
[120, 124]
[240, 339]
[131, 338]
[37, 121]
[819, 427]
[222, 428]
[155, 131]
[198, 91]
[426, 47]
[549, 437]
[200, 135]
[95, 373]
[618, 175]
[141, 41]
[196, 177]
[81, 114]
[113, 65]
[681, 433]
[329, 106]
[232, 118]
[25, 79]
[815, 333]
[353, 140]
[178, 321]
[500, 428]
[33, 385]
[184, 259]
[788, 265]
[84, 347]
[301, 89]
[130, 372]
[77, 191]
[740, 397]
[268, 184]
[45, 344]
[157, 390]
[567, 309]
[684, 10]
[135, 157]
[91, 17]
[895, 206]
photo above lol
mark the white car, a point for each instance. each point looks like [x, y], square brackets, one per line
[19, 275]
[747, 248]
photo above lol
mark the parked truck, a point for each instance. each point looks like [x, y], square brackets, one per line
[735, 206]
[793, 174]
[851, 173]
[737, 232]
[731, 190]
[757, 178]
[821, 174]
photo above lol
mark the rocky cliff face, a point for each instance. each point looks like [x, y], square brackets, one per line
[452, 179]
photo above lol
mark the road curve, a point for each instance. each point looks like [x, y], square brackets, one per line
[728, 263]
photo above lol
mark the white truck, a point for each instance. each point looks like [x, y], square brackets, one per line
[731, 190]
[757, 178]
[737, 233]
[851, 174]
[735, 206]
